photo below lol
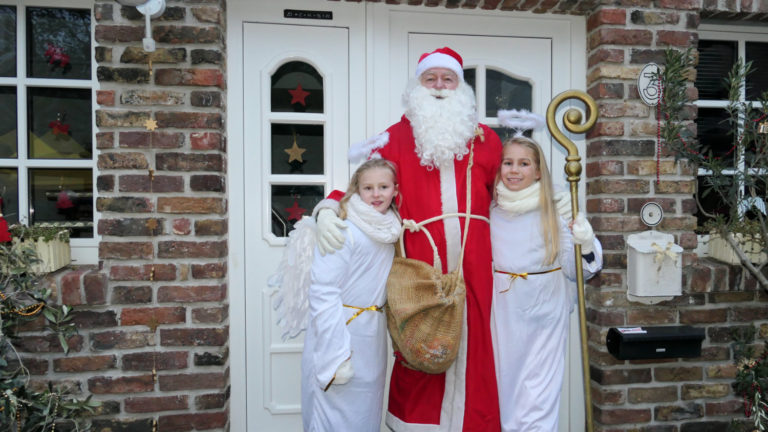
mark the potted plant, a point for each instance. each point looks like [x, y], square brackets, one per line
[736, 179]
[50, 242]
[25, 404]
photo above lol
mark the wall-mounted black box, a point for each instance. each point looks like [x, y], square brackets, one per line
[634, 343]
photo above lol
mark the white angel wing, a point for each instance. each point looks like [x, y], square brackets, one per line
[293, 278]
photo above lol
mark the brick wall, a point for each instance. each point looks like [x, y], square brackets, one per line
[152, 317]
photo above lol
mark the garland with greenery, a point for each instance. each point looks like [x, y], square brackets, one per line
[38, 231]
[26, 405]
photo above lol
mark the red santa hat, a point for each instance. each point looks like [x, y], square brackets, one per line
[441, 58]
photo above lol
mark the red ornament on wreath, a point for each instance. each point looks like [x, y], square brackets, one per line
[56, 56]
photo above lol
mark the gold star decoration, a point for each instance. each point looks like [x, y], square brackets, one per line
[151, 224]
[295, 152]
[150, 124]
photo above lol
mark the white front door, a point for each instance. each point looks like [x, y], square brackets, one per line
[288, 144]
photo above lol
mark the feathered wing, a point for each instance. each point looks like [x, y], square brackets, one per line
[293, 278]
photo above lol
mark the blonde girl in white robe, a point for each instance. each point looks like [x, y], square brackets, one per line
[534, 287]
[345, 349]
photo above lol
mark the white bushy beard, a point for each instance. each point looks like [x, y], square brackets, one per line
[441, 127]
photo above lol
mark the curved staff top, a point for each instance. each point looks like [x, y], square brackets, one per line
[572, 122]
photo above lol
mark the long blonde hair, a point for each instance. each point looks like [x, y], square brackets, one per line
[550, 227]
[354, 182]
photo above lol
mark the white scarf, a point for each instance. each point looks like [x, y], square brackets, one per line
[517, 203]
[382, 227]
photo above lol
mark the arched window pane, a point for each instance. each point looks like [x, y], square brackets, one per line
[505, 92]
[297, 87]
[470, 77]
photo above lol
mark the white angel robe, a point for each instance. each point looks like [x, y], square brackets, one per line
[530, 320]
[356, 275]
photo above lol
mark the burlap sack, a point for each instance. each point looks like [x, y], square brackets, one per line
[425, 312]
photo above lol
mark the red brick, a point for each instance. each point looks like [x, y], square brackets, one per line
[110, 385]
[606, 129]
[611, 416]
[210, 227]
[147, 183]
[158, 272]
[156, 404]
[617, 223]
[682, 373]
[182, 226]
[190, 205]
[105, 97]
[618, 186]
[679, 4]
[651, 316]
[213, 315]
[120, 340]
[105, 140]
[725, 408]
[194, 337]
[607, 16]
[47, 344]
[749, 313]
[205, 141]
[84, 364]
[94, 318]
[122, 161]
[606, 55]
[704, 391]
[620, 36]
[190, 294]
[210, 401]
[643, 395]
[189, 162]
[190, 249]
[607, 91]
[192, 381]
[126, 250]
[621, 376]
[183, 422]
[149, 316]
[676, 38]
[147, 361]
[191, 120]
[114, 33]
[70, 288]
[209, 271]
[95, 287]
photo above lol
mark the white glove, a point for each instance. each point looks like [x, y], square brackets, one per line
[344, 373]
[329, 235]
[563, 204]
[583, 234]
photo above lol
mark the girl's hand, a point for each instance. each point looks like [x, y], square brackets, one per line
[583, 234]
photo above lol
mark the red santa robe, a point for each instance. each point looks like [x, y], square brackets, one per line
[465, 397]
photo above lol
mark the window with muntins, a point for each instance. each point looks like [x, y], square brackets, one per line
[47, 164]
[719, 50]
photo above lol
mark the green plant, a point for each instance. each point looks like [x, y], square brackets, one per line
[751, 381]
[27, 406]
[34, 232]
[737, 178]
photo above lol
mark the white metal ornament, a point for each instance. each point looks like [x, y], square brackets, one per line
[648, 84]
[651, 214]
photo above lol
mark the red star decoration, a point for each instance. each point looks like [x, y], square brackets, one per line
[298, 95]
[59, 128]
[56, 54]
[295, 212]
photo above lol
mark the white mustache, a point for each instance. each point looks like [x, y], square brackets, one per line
[441, 93]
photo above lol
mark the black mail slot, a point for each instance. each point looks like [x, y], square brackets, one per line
[634, 343]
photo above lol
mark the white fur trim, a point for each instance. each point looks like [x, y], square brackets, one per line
[398, 425]
[440, 60]
[361, 151]
[450, 204]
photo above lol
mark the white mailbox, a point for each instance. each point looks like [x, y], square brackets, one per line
[654, 267]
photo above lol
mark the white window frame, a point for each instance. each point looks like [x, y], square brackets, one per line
[84, 250]
[740, 35]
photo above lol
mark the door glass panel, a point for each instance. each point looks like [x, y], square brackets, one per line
[505, 92]
[297, 87]
[290, 203]
[58, 43]
[470, 77]
[757, 81]
[63, 197]
[297, 149]
[59, 123]
[9, 192]
[716, 58]
[8, 148]
[7, 41]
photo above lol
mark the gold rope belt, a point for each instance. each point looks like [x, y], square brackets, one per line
[513, 276]
[360, 310]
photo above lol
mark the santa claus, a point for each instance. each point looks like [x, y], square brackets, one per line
[430, 145]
